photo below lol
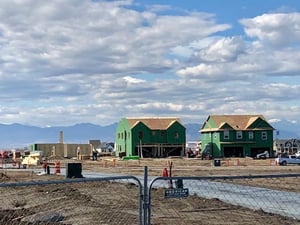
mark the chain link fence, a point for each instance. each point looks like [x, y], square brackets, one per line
[110, 200]
[266, 199]
[271, 199]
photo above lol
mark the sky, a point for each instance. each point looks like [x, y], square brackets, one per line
[64, 62]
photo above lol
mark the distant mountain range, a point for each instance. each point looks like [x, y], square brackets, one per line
[20, 136]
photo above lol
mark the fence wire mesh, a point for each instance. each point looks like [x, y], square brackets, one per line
[253, 200]
[75, 201]
[265, 199]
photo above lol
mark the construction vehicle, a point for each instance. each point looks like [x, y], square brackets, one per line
[263, 155]
[33, 159]
[4, 154]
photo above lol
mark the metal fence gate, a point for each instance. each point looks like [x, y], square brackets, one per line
[108, 200]
[265, 199]
[262, 199]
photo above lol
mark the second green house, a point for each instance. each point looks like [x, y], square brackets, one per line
[236, 136]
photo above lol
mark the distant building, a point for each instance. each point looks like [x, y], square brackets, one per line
[236, 135]
[63, 150]
[150, 137]
[102, 146]
[96, 144]
[286, 146]
[194, 146]
[107, 147]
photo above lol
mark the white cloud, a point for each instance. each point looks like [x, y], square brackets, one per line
[131, 80]
[222, 50]
[274, 120]
[69, 61]
[201, 70]
[277, 29]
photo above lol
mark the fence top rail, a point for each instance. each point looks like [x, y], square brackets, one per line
[226, 177]
[70, 180]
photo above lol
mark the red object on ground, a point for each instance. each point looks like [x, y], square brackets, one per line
[165, 172]
[57, 167]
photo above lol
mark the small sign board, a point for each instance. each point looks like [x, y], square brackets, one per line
[177, 193]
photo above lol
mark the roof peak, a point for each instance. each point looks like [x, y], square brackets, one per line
[152, 117]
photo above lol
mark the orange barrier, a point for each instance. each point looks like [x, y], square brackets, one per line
[104, 163]
[107, 162]
[273, 162]
[232, 162]
[165, 172]
[57, 167]
[129, 163]
[236, 162]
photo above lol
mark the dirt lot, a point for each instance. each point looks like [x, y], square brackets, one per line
[190, 167]
[117, 203]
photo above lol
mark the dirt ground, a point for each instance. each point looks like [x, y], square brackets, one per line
[117, 203]
[190, 167]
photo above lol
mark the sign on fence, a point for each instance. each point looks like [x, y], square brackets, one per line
[177, 193]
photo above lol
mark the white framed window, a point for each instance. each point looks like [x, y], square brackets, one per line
[264, 135]
[239, 135]
[226, 134]
[251, 135]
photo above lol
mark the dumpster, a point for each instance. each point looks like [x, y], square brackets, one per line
[74, 170]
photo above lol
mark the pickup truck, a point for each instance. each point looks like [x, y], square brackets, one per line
[290, 159]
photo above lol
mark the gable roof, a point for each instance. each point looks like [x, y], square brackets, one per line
[237, 122]
[154, 123]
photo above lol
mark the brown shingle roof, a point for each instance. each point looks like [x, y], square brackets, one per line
[238, 122]
[154, 123]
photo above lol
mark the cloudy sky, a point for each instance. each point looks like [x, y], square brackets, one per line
[64, 62]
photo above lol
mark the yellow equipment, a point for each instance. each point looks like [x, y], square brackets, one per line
[33, 159]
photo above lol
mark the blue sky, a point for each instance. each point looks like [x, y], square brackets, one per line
[230, 11]
[64, 62]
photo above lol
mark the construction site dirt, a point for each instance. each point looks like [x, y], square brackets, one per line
[123, 196]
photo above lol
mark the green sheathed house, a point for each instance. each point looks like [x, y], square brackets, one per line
[150, 137]
[236, 135]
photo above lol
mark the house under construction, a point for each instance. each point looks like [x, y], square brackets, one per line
[150, 137]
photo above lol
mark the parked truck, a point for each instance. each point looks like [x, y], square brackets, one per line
[290, 159]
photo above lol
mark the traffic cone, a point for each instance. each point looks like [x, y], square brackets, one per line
[57, 167]
[165, 172]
